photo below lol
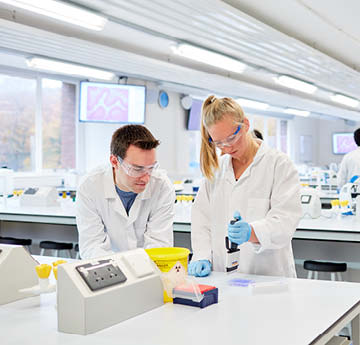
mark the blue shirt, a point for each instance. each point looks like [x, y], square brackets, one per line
[127, 198]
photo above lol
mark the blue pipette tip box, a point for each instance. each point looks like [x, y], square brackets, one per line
[209, 296]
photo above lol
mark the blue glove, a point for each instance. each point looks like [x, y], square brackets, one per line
[200, 268]
[240, 231]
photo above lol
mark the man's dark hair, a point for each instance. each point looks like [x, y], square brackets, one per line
[136, 135]
[357, 137]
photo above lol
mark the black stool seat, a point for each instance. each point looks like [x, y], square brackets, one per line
[18, 241]
[324, 266]
[55, 245]
[76, 247]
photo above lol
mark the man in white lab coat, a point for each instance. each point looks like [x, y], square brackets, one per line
[129, 203]
[350, 165]
[257, 185]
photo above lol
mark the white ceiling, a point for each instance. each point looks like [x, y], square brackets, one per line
[315, 40]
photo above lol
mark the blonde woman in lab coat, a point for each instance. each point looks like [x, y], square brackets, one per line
[252, 179]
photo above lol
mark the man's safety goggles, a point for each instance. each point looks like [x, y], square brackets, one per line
[137, 170]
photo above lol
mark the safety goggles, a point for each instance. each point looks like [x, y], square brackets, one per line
[230, 140]
[137, 170]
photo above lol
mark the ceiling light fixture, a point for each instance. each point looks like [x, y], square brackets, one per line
[296, 84]
[208, 57]
[339, 98]
[297, 112]
[62, 11]
[68, 68]
[247, 103]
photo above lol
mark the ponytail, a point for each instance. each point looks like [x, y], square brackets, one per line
[208, 157]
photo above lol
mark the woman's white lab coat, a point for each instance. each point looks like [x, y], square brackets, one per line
[103, 224]
[267, 195]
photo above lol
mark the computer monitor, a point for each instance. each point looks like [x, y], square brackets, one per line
[343, 143]
[113, 103]
[195, 115]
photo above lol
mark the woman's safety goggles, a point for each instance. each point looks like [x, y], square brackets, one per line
[230, 140]
[137, 170]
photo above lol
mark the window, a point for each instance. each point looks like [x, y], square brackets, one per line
[17, 121]
[58, 125]
[37, 118]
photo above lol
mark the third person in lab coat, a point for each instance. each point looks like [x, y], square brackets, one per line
[350, 165]
[251, 178]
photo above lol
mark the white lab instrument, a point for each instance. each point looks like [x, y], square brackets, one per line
[39, 196]
[6, 183]
[98, 293]
[310, 202]
[17, 271]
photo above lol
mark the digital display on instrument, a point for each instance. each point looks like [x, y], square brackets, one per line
[305, 199]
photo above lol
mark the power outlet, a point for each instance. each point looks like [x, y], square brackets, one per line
[102, 274]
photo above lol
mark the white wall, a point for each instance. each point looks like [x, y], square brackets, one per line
[320, 130]
[178, 144]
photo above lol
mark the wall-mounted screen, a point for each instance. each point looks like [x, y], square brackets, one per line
[114, 103]
[343, 143]
[195, 115]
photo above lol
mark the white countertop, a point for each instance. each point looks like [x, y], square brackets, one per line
[296, 317]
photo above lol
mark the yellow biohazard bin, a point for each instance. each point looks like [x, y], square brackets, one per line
[167, 258]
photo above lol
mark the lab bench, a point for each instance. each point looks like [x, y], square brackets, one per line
[294, 316]
[324, 238]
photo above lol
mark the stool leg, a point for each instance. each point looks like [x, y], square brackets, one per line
[332, 274]
[316, 275]
[309, 275]
[69, 253]
[57, 253]
[42, 252]
[339, 276]
[77, 256]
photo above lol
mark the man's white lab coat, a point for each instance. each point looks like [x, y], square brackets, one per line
[103, 224]
[267, 195]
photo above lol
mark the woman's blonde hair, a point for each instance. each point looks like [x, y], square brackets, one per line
[213, 110]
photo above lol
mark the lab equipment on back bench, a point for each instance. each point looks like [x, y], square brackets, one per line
[98, 293]
[6, 183]
[349, 193]
[17, 271]
[39, 196]
[310, 202]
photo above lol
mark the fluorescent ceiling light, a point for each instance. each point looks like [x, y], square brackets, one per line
[208, 57]
[351, 102]
[68, 68]
[296, 84]
[247, 103]
[62, 11]
[297, 112]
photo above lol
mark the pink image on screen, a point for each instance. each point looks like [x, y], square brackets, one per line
[107, 104]
[345, 144]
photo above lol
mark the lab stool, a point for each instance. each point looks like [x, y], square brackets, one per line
[76, 248]
[318, 266]
[56, 246]
[19, 241]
